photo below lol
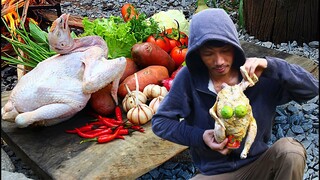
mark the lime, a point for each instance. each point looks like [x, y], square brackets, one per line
[226, 112]
[240, 111]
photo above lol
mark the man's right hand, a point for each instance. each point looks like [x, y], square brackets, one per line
[208, 138]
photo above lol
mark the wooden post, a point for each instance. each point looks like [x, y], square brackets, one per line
[282, 20]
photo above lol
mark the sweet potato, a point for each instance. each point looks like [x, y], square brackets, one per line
[148, 75]
[102, 102]
[131, 68]
[147, 54]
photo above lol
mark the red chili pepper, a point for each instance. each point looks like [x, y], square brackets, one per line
[86, 135]
[85, 128]
[109, 122]
[137, 128]
[105, 138]
[118, 113]
[126, 131]
[120, 137]
[95, 131]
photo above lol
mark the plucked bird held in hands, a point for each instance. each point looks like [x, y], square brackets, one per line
[233, 115]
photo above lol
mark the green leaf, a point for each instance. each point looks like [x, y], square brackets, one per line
[36, 33]
[119, 35]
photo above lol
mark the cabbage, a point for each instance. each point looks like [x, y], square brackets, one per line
[166, 19]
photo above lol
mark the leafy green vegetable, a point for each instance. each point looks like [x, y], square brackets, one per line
[166, 19]
[120, 36]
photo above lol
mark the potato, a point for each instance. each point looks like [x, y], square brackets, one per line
[131, 68]
[102, 102]
[148, 75]
[147, 54]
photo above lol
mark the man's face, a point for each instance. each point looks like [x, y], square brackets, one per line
[217, 59]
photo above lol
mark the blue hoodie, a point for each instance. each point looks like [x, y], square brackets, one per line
[183, 115]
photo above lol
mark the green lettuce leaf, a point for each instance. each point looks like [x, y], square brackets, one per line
[119, 35]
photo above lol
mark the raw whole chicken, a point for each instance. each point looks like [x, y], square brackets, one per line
[60, 86]
[233, 115]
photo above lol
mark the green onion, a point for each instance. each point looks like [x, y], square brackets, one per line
[34, 45]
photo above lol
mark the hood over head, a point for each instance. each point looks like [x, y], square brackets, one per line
[212, 24]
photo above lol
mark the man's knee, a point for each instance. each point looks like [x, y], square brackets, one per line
[291, 152]
[289, 145]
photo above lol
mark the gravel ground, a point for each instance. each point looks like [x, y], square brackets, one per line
[300, 121]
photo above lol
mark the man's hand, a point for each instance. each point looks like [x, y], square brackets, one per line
[255, 66]
[208, 138]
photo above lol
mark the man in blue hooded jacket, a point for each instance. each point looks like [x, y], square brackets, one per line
[214, 57]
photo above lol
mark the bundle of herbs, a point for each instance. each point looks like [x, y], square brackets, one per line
[31, 46]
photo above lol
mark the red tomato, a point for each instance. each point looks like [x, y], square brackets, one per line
[178, 54]
[173, 33]
[161, 41]
[128, 12]
[233, 143]
[173, 43]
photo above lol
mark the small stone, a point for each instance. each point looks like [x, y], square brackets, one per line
[267, 44]
[300, 137]
[285, 127]
[13, 175]
[309, 108]
[293, 109]
[314, 44]
[281, 119]
[290, 133]
[295, 119]
[307, 126]
[306, 143]
[281, 111]
[6, 163]
[154, 173]
[314, 100]
[297, 129]
[279, 133]
[65, 4]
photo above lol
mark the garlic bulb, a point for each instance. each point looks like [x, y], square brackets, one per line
[129, 101]
[154, 90]
[140, 114]
[155, 102]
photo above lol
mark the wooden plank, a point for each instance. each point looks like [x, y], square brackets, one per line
[54, 154]
[74, 21]
[253, 50]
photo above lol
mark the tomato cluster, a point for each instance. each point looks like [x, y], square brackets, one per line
[173, 42]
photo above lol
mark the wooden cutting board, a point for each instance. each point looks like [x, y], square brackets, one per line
[54, 154]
